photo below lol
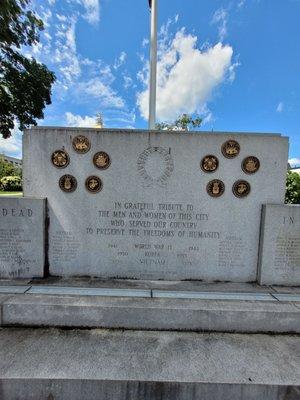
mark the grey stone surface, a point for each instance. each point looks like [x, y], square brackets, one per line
[56, 364]
[279, 260]
[22, 236]
[154, 314]
[213, 295]
[3, 297]
[77, 389]
[13, 289]
[194, 286]
[287, 297]
[191, 235]
[35, 289]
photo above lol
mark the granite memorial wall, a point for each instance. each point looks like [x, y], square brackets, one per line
[154, 205]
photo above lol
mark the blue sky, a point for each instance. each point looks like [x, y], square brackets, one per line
[234, 62]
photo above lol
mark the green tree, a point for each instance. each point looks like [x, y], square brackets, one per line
[183, 123]
[25, 84]
[292, 195]
[7, 169]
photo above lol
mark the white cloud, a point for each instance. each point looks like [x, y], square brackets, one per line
[128, 81]
[98, 89]
[78, 121]
[13, 145]
[294, 161]
[220, 17]
[92, 10]
[120, 60]
[145, 42]
[279, 108]
[241, 3]
[186, 75]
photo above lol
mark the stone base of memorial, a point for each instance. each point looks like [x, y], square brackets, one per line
[22, 237]
[279, 261]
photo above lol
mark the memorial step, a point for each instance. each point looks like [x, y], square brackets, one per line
[263, 310]
[145, 365]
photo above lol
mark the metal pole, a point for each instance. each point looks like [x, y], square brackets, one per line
[153, 66]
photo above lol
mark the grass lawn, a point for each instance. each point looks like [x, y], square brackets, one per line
[15, 194]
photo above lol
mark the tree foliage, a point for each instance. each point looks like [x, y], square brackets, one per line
[292, 195]
[183, 123]
[25, 84]
[11, 184]
[7, 169]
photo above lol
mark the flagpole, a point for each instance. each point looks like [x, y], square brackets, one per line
[153, 65]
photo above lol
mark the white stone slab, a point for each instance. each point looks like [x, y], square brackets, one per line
[153, 219]
[22, 237]
[279, 261]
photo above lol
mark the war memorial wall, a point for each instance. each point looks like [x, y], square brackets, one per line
[153, 205]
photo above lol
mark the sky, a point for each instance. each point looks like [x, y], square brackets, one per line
[236, 63]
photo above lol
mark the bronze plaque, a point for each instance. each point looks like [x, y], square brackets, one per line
[241, 188]
[81, 144]
[215, 188]
[209, 163]
[101, 160]
[93, 184]
[60, 158]
[230, 149]
[68, 183]
[250, 165]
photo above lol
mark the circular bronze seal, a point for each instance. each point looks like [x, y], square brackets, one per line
[241, 188]
[209, 163]
[215, 188]
[101, 160]
[250, 165]
[93, 184]
[60, 158]
[81, 144]
[68, 183]
[230, 149]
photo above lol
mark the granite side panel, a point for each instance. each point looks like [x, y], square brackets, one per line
[279, 259]
[22, 237]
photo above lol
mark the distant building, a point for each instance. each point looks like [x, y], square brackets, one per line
[12, 160]
[294, 168]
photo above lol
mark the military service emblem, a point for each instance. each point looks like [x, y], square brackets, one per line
[241, 188]
[101, 160]
[81, 144]
[230, 149]
[93, 184]
[60, 158]
[215, 188]
[209, 163]
[250, 165]
[68, 183]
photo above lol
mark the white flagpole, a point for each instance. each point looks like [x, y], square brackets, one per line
[153, 65]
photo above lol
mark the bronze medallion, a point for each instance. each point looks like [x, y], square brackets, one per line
[101, 160]
[209, 163]
[230, 149]
[68, 183]
[93, 184]
[241, 188]
[250, 165]
[215, 188]
[81, 144]
[60, 158]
